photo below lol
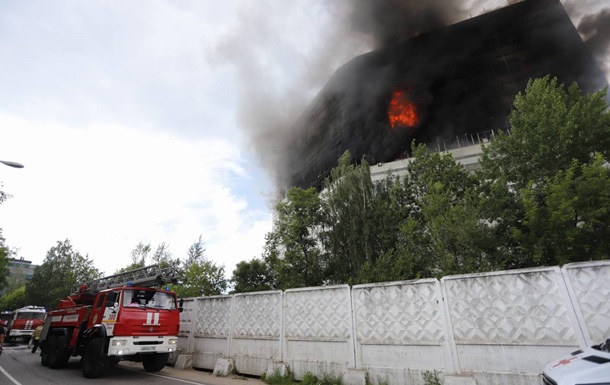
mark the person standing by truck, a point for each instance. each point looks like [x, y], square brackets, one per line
[2, 332]
[36, 338]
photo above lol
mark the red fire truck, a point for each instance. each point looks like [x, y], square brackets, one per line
[120, 317]
[24, 321]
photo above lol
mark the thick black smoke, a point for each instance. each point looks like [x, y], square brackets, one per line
[390, 21]
[596, 31]
[274, 90]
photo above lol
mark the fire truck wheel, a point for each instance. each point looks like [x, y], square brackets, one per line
[58, 352]
[94, 362]
[155, 362]
[45, 356]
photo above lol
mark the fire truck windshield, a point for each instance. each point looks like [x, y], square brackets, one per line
[149, 298]
[30, 315]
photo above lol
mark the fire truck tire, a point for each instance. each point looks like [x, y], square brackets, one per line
[155, 362]
[45, 356]
[58, 352]
[94, 362]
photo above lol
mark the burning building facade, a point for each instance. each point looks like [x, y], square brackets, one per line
[448, 83]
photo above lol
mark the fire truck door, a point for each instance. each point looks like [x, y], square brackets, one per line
[111, 311]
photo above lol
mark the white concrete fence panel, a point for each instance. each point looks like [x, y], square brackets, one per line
[490, 328]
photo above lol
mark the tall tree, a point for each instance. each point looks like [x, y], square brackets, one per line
[569, 220]
[5, 253]
[13, 299]
[390, 207]
[138, 255]
[550, 127]
[14, 280]
[349, 237]
[293, 248]
[196, 251]
[253, 275]
[199, 275]
[532, 177]
[444, 234]
[163, 256]
[62, 268]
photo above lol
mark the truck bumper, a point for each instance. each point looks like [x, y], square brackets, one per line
[126, 346]
[18, 333]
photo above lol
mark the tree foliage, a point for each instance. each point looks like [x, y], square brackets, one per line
[13, 299]
[253, 275]
[540, 182]
[294, 250]
[199, 275]
[5, 253]
[63, 267]
[350, 236]
[443, 235]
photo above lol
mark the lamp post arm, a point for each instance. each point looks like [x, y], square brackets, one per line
[11, 164]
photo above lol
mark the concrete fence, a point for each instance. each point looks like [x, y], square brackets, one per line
[491, 328]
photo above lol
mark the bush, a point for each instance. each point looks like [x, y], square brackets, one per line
[432, 378]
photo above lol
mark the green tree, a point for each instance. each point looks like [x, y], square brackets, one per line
[569, 220]
[390, 207]
[138, 255]
[62, 268]
[550, 127]
[349, 236]
[532, 178]
[5, 253]
[253, 275]
[163, 256]
[13, 299]
[199, 275]
[293, 248]
[443, 235]
[14, 280]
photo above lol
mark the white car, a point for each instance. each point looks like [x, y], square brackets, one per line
[590, 366]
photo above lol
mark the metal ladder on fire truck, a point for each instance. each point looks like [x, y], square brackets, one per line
[148, 276]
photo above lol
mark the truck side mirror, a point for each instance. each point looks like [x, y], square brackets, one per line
[180, 304]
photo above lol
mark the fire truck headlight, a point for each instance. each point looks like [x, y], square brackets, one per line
[173, 341]
[119, 342]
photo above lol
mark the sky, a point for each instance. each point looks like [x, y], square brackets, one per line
[142, 120]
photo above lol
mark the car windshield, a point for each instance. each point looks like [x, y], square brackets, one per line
[149, 298]
[30, 315]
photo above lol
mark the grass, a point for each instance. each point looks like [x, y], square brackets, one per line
[432, 378]
[308, 379]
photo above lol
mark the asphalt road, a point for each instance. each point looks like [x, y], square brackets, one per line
[18, 366]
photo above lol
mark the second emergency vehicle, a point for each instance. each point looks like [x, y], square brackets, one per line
[24, 321]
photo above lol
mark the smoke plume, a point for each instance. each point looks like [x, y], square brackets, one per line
[596, 32]
[281, 68]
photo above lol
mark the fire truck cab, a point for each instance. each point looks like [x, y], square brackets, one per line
[122, 317]
[24, 321]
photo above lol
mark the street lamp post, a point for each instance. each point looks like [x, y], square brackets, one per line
[11, 164]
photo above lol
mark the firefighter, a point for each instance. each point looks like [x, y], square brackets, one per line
[36, 338]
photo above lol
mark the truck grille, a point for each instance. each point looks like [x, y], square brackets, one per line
[147, 342]
[546, 380]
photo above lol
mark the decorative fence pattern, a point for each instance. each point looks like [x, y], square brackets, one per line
[499, 327]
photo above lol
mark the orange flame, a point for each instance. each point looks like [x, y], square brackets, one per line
[402, 112]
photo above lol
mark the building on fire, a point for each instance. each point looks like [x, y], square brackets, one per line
[441, 88]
